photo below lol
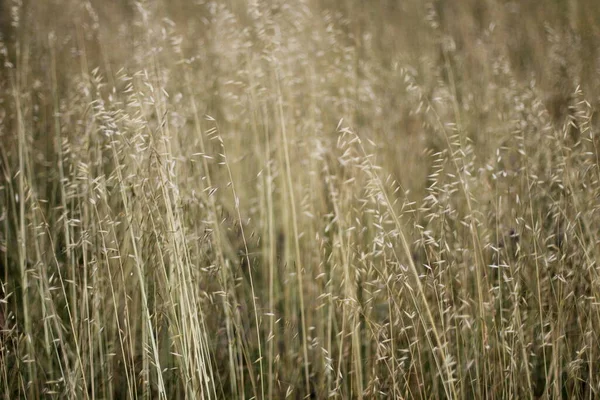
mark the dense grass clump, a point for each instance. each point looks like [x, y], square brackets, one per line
[302, 199]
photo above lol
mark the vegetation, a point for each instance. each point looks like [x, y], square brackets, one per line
[303, 199]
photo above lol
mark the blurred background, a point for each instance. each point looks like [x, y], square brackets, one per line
[304, 199]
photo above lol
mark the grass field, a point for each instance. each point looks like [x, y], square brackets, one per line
[299, 199]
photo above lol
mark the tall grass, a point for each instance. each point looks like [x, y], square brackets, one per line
[311, 199]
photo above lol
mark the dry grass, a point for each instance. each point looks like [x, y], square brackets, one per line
[304, 199]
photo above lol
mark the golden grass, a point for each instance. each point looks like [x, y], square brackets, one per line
[311, 199]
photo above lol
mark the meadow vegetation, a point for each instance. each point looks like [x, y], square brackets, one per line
[299, 199]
